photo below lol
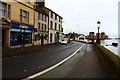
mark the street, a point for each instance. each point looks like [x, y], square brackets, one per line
[26, 65]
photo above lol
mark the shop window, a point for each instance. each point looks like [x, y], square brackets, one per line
[20, 36]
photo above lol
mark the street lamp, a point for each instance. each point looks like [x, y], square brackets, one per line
[98, 39]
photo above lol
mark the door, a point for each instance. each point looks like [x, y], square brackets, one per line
[42, 39]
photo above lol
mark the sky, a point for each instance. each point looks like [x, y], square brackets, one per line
[81, 16]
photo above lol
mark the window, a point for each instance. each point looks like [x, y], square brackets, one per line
[42, 27]
[51, 14]
[59, 28]
[55, 26]
[45, 18]
[5, 10]
[51, 24]
[9, 11]
[55, 17]
[59, 19]
[38, 15]
[45, 27]
[42, 17]
[39, 26]
[24, 16]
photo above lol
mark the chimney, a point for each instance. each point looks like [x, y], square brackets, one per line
[40, 3]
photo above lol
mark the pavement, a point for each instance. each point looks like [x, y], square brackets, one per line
[88, 66]
[26, 65]
[84, 64]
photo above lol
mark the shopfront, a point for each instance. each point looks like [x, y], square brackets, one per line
[20, 34]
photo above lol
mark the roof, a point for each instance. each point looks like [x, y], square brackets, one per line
[40, 10]
[53, 12]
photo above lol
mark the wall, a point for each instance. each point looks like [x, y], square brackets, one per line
[15, 11]
[109, 61]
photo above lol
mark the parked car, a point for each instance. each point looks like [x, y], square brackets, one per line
[65, 41]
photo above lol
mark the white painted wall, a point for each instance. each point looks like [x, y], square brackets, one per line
[53, 31]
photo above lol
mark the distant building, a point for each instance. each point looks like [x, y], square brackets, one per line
[81, 37]
[91, 35]
[102, 36]
[97, 35]
[74, 36]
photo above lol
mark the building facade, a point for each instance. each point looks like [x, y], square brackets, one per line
[54, 24]
[55, 27]
[91, 35]
[41, 25]
[24, 24]
[17, 23]
[97, 35]
[103, 36]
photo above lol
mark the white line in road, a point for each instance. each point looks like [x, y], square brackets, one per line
[56, 65]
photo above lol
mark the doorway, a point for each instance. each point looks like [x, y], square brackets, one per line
[42, 39]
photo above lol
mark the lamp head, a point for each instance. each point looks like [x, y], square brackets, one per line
[98, 22]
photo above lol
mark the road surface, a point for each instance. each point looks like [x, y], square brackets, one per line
[26, 65]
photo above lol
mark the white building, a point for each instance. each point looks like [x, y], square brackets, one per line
[55, 27]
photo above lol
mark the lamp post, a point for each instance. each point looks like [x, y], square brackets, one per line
[98, 39]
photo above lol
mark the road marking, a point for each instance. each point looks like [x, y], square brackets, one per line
[52, 67]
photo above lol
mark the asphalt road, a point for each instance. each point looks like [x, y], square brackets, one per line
[26, 65]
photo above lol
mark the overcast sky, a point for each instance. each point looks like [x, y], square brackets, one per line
[81, 16]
